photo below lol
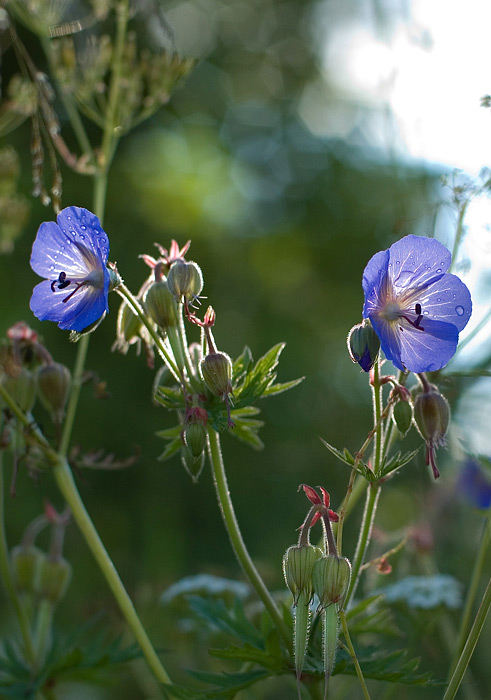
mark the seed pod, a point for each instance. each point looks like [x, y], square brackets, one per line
[216, 370]
[330, 579]
[53, 386]
[161, 306]
[185, 280]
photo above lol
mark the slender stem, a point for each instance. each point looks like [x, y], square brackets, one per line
[124, 292]
[44, 624]
[377, 414]
[373, 493]
[238, 545]
[471, 594]
[459, 231]
[67, 486]
[76, 386]
[352, 653]
[470, 645]
[8, 578]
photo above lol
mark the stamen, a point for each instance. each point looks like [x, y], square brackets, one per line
[77, 287]
[62, 282]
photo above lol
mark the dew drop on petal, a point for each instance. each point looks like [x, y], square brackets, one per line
[403, 279]
[459, 310]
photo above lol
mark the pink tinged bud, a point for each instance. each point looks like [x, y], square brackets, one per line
[216, 370]
[330, 578]
[161, 306]
[185, 280]
[54, 578]
[26, 562]
[22, 388]
[298, 563]
[53, 382]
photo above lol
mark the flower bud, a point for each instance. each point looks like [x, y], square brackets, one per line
[22, 388]
[402, 415]
[26, 562]
[363, 345]
[54, 577]
[298, 563]
[216, 370]
[185, 280]
[330, 579]
[193, 465]
[195, 438]
[53, 386]
[160, 305]
[432, 416]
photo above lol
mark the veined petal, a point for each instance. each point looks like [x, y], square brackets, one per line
[448, 300]
[373, 284]
[415, 261]
[75, 245]
[83, 308]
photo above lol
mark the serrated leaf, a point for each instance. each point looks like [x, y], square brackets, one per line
[259, 378]
[398, 461]
[280, 387]
[233, 621]
[169, 398]
[229, 684]
[250, 654]
[392, 667]
[242, 364]
[345, 457]
[170, 450]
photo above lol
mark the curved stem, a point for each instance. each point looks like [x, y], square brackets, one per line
[238, 545]
[373, 493]
[69, 490]
[470, 645]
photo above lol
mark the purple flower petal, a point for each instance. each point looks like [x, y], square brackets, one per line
[72, 256]
[416, 308]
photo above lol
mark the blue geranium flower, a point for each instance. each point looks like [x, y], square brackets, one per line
[71, 255]
[474, 484]
[416, 308]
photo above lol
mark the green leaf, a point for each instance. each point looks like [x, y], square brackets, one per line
[392, 667]
[169, 398]
[398, 461]
[259, 379]
[250, 654]
[242, 364]
[279, 388]
[233, 621]
[229, 684]
[347, 458]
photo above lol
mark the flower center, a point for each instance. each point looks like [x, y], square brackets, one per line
[393, 312]
[94, 279]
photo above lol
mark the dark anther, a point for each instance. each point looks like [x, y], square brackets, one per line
[417, 309]
[61, 282]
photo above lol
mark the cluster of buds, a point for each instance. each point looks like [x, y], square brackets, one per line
[42, 578]
[309, 570]
[28, 373]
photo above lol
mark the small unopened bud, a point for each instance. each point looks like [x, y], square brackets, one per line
[54, 577]
[53, 387]
[161, 306]
[432, 416]
[216, 370]
[128, 326]
[185, 280]
[22, 388]
[330, 578]
[298, 563]
[26, 562]
[363, 345]
[402, 415]
[195, 438]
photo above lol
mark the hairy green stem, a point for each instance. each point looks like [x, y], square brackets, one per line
[352, 653]
[66, 484]
[238, 545]
[373, 493]
[470, 645]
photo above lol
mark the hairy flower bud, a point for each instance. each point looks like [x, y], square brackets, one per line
[402, 415]
[22, 388]
[185, 280]
[26, 562]
[53, 382]
[216, 370]
[330, 579]
[195, 438]
[54, 578]
[298, 563]
[432, 416]
[160, 305]
[363, 345]
[193, 465]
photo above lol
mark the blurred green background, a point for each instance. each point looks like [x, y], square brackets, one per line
[282, 223]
